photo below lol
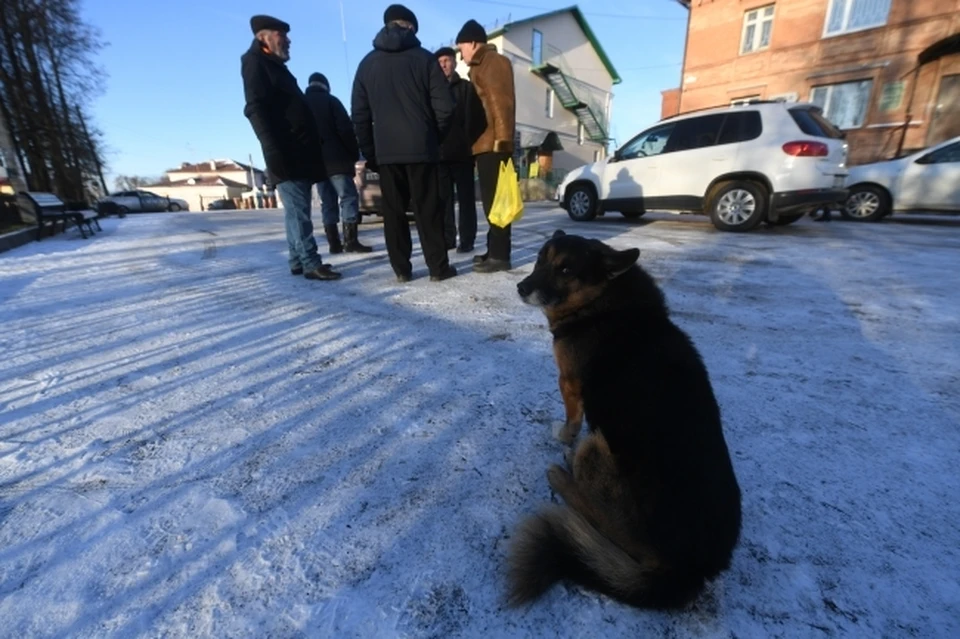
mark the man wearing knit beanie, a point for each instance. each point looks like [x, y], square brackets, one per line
[492, 75]
[401, 109]
[338, 193]
[289, 139]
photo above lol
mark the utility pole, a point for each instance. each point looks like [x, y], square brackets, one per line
[346, 51]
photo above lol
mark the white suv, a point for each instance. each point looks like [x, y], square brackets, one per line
[768, 162]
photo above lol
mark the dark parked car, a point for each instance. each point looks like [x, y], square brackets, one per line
[221, 205]
[140, 201]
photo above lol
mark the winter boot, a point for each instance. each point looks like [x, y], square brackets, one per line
[350, 242]
[333, 238]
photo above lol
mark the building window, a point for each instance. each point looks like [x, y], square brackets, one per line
[580, 135]
[891, 96]
[757, 26]
[844, 16]
[596, 155]
[844, 104]
[549, 106]
[536, 48]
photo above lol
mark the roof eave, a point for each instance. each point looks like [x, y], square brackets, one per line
[587, 31]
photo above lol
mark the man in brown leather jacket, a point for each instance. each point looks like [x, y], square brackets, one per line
[492, 76]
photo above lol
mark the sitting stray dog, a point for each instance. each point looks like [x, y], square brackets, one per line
[652, 509]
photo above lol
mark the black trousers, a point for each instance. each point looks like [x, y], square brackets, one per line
[459, 176]
[418, 184]
[488, 170]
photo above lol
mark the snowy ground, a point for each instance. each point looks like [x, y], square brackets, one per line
[195, 443]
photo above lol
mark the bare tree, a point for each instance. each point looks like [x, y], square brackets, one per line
[47, 75]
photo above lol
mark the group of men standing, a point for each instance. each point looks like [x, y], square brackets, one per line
[416, 122]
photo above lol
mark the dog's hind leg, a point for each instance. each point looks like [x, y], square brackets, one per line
[598, 493]
[593, 464]
[579, 495]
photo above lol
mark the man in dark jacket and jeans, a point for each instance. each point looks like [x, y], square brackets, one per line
[401, 108]
[456, 171]
[340, 155]
[288, 137]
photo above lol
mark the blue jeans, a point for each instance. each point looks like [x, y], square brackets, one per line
[295, 195]
[338, 188]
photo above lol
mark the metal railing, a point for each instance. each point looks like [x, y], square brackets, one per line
[581, 91]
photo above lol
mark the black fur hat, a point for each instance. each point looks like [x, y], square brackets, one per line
[400, 12]
[472, 31]
[260, 22]
[445, 51]
[319, 78]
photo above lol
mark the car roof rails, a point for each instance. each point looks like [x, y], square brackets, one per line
[749, 102]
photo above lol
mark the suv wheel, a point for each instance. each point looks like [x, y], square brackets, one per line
[866, 203]
[738, 206]
[174, 207]
[581, 203]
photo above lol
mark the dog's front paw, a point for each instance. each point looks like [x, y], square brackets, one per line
[556, 428]
[558, 478]
[566, 432]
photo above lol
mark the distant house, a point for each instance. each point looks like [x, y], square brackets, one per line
[200, 184]
[564, 84]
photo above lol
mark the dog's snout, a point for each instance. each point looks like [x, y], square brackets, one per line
[524, 289]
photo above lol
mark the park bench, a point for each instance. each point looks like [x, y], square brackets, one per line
[50, 209]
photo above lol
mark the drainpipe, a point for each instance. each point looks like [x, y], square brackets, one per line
[909, 115]
[683, 65]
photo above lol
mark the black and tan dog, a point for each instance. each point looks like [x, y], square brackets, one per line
[652, 509]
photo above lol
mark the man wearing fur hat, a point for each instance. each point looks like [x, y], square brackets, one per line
[401, 109]
[338, 193]
[492, 75]
[288, 137]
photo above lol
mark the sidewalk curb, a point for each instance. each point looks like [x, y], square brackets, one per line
[17, 238]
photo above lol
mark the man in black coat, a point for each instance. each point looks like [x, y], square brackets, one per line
[288, 137]
[402, 108]
[340, 155]
[456, 171]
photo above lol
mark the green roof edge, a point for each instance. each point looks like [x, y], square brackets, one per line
[582, 21]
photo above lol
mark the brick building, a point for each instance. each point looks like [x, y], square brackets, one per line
[885, 71]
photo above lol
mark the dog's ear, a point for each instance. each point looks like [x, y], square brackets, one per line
[558, 233]
[617, 263]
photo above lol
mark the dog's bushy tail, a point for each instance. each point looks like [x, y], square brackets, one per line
[558, 543]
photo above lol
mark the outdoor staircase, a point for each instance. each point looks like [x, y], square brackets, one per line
[588, 115]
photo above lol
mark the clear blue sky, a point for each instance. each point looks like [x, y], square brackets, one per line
[174, 93]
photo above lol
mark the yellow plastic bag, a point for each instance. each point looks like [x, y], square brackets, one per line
[507, 205]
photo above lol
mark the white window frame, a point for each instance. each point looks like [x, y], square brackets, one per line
[829, 88]
[847, 12]
[581, 134]
[756, 18]
[548, 107]
[533, 47]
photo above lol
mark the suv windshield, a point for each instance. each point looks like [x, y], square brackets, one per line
[813, 123]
